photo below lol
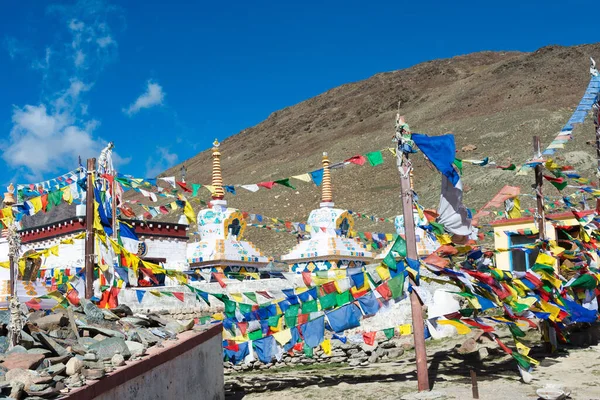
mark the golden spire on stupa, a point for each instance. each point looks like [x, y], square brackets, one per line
[326, 186]
[217, 179]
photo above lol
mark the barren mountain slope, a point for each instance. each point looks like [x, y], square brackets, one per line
[496, 101]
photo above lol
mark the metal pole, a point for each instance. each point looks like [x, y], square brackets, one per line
[89, 228]
[411, 252]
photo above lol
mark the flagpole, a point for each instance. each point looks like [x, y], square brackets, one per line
[406, 193]
[89, 228]
[539, 180]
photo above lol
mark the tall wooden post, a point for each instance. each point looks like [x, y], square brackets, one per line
[539, 180]
[89, 230]
[597, 125]
[115, 226]
[418, 324]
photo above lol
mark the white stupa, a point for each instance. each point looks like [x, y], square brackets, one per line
[329, 246]
[426, 242]
[221, 228]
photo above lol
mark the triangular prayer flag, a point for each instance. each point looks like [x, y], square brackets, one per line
[375, 158]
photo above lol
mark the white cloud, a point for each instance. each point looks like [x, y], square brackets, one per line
[49, 136]
[153, 96]
[165, 160]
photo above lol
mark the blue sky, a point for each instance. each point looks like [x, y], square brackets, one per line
[163, 79]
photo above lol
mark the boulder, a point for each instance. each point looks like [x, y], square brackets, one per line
[368, 348]
[107, 348]
[17, 349]
[74, 366]
[37, 350]
[16, 390]
[92, 312]
[395, 353]
[25, 376]
[468, 346]
[56, 369]
[22, 361]
[117, 360]
[93, 374]
[360, 354]
[27, 340]
[373, 358]
[136, 349]
[52, 321]
[50, 343]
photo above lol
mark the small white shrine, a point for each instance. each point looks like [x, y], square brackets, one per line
[330, 245]
[220, 230]
[426, 241]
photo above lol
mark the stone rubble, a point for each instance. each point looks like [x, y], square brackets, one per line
[352, 354]
[56, 355]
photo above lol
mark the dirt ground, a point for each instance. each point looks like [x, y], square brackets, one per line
[575, 368]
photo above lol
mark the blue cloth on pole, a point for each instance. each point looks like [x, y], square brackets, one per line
[265, 348]
[441, 151]
[485, 303]
[237, 356]
[314, 332]
[369, 304]
[345, 317]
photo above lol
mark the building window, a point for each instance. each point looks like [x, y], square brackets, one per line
[521, 260]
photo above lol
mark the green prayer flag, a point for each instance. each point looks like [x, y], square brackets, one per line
[523, 363]
[251, 296]
[255, 335]
[375, 158]
[515, 330]
[438, 229]
[290, 320]
[309, 306]
[396, 285]
[195, 188]
[459, 164]
[245, 308]
[285, 182]
[343, 298]
[274, 320]
[398, 247]
[328, 301]
[584, 281]
[229, 307]
[389, 333]
[308, 351]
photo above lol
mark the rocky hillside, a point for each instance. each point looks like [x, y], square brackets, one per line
[495, 101]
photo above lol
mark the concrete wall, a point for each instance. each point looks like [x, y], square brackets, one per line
[174, 250]
[191, 368]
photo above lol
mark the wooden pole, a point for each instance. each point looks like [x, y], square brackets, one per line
[404, 169]
[474, 386]
[597, 124]
[89, 230]
[539, 180]
[115, 226]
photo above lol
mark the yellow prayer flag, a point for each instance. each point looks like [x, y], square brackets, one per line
[237, 297]
[405, 329]
[218, 316]
[36, 202]
[283, 337]
[67, 195]
[174, 206]
[22, 267]
[5, 264]
[188, 211]
[54, 250]
[210, 188]
[461, 328]
[515, 212]
[303, 177]
[444, 239]
[383, 272]
[389, 237]
[545, 259]
[549, 308]
[326, 346]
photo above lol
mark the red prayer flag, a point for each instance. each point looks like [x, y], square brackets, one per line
[267, 185]
[384, 291]
[307, 278]
[329, 287]
[446, 250]
[44, 199]
[243, 327]
[183, 185]
[369, 338]
[302, 319]
[265, 294]
[34, 304]
[73, 297]
[359, 160]
[299, 346]
[179, 295]
[435, 260]
[219, 276]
